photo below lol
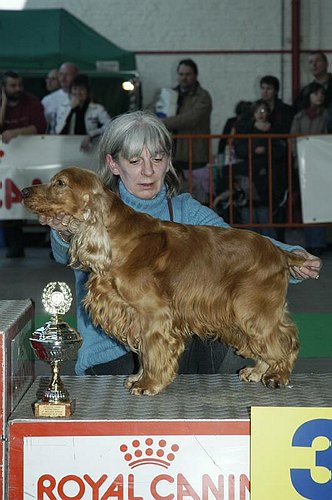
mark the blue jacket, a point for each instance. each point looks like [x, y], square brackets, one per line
[98, 347]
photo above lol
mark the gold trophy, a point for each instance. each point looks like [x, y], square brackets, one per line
[54, 342]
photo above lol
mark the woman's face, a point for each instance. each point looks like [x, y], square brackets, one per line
[143, 175]
[317, 98]
[80, 93]
[261, 114]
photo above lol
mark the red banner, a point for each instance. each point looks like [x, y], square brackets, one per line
[32, 160]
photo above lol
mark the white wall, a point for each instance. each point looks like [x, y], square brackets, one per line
[185, 25]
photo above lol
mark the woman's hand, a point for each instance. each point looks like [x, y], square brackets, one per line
[260, 150]
[8, 135]
[86, 144]
[264, 126]
[309, 269]
[59, 223]
[74, 102]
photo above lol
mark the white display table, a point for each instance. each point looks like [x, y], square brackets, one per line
[192, 441]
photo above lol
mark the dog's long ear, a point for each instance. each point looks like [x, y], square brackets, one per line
[96, 206]
[91, 245]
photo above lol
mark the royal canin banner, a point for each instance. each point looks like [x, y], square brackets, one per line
[28, 160]
[155, 460]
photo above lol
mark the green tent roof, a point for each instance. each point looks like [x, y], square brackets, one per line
[42, 39]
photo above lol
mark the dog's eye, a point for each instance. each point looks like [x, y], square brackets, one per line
[59, 182]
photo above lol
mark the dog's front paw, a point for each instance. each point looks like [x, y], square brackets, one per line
[250, 374]
[140, 388]
[132, 380]
[274, 380]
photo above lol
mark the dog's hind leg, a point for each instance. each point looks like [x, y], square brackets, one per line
[276, 355]
[280, 369]
[159, 354]
[284, 351]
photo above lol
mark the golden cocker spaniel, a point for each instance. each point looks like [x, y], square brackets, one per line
[152, 284]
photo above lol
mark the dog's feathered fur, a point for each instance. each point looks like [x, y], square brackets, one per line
[153, 283]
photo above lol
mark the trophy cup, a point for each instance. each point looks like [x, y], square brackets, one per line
[54, 342]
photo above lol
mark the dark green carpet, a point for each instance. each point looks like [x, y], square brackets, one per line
[315, 333]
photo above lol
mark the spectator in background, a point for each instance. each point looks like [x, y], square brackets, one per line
[52, 80]
[52, 84]
[20, 114]
[81, 116]
[281, 114]
[280, 117]
[259, 123]
[312, 120]
[318, 65]
[192, 117]
[329, 119]
[53, 101]
[242, 112]
[226, 155]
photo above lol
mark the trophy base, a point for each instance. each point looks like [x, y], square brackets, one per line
[44, 409]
